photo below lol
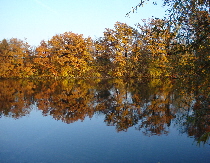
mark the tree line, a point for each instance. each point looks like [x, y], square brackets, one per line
[175, 46]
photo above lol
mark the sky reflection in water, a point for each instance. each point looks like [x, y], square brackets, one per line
[41, 136]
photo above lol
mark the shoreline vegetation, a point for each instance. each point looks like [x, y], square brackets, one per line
[65, 56]
[150, 77]
[175, 47]
[96, 77]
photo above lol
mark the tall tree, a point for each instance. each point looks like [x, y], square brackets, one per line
[157, 37]
[189, 19]
[120, 47]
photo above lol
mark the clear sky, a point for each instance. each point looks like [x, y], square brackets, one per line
[38, 20]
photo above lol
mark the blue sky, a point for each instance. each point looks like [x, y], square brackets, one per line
[38, 20]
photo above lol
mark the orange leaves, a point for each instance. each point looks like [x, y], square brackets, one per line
[152, 50]
[73, 53]
[66, 55]
[14, 58]
[119, 44]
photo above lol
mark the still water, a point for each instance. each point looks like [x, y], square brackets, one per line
[112, 120]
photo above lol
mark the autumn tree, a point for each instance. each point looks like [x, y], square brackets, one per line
[70, 54]
[157, 39]
[42, 60]
[15, 59]
[102, 62]
[189, 20]
[119, 47]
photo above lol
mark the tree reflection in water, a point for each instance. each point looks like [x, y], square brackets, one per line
[148, 104]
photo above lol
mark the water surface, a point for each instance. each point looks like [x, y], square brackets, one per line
[112, 120]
